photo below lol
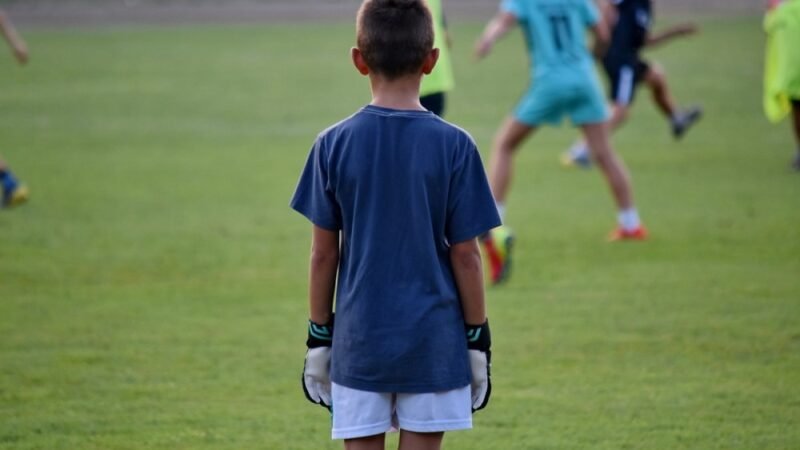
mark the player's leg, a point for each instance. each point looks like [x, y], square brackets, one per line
[376, 442]
[361, 418]
[508, 139]
[410, 440]
[424, 418]
[681, 120]
[796, 121]
[618, 179]
[498, 242]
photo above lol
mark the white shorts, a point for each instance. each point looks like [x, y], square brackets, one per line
[360, 413]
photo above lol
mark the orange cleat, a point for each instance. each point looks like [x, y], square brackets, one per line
[637, 234]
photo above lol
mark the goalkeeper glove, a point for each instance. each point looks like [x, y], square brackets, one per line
[316, 370]
[479, 342]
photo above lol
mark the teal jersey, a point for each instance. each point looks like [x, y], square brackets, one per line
[555, 32]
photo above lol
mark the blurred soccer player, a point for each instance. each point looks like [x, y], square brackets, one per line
[626, 69]
[563, 83]
[397, 198]
[782, 70]
[13, 191]
[434, 88]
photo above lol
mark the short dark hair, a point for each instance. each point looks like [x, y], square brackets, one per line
[394, 36]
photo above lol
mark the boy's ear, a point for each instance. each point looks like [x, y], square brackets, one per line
[430, 61]
[358, 61]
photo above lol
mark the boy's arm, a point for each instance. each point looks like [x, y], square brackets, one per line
[322, 274]
[602, 37]
[465, 257]
[683, 29]
[14, 40]
[495, 29]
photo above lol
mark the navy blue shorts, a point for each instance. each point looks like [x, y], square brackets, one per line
[623, 77]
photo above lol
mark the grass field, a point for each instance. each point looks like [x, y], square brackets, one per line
[152, 293]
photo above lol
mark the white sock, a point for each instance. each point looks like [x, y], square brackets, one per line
[629, 219]
[501, 210]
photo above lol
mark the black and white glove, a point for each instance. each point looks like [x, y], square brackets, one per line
[316, 371]
[479, 343]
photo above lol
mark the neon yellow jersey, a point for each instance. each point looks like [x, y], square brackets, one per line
[782, 64]
[441, 79]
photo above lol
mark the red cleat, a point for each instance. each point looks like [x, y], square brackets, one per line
[637, 234]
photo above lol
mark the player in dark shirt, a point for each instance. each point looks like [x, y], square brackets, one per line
[625, 69]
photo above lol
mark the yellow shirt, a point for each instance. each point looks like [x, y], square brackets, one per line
[782, 63]
[441, 79]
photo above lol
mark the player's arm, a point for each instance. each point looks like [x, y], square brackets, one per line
[465, 257]
[14, 40]
[316, 380]
[602, 36]
[322, 274]
[676, 31]
[500, 24]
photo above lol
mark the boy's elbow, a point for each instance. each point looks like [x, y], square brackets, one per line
[466, 255]
[324, 257]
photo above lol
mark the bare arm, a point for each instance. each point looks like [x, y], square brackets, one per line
[465, 258]
[495, 29]
[322, 274]
[15, 41]
[602, 38]
[684, 29]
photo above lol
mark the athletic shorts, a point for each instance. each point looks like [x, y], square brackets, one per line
[548, 100]
[623, 78]
[359, 413]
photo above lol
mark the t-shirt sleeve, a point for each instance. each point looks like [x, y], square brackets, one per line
[471, 210]
[314, 197]
[514, 7]
[590, 13]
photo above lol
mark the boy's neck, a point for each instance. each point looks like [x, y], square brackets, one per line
[399, 93]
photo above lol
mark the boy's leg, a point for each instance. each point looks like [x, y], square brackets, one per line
[410, 440]
[376, 442]
[596, 135]
[657, 82]
[682, 120]
[616, 174]
[512, 133]
[796, 117]
[498, 242]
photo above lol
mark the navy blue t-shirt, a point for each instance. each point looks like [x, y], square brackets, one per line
[402, 186]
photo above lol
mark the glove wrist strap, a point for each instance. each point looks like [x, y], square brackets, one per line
[478, 336]
[320, 335]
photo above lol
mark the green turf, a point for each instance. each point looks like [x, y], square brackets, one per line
[152, 293]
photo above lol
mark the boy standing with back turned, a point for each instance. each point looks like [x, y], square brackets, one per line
[397, 197]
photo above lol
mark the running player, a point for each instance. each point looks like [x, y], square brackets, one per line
[563, 83]
[782, 71]
[626, 69]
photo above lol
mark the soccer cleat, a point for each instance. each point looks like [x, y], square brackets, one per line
[498, 243]
[577, 156]
[582, 161]
[683, 120]
[620, 234]
[16, 196]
